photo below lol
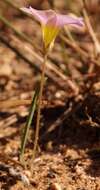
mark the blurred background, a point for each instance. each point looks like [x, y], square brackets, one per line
[21, 37]
[70, 117]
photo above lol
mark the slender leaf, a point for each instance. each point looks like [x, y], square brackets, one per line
[28, 124]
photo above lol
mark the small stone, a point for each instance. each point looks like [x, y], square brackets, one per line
[55, 186]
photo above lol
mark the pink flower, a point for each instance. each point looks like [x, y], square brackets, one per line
[52, 22]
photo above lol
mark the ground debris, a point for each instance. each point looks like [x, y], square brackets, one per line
[18, 175]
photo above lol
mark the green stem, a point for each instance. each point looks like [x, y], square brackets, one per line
[39, 107]
[28, 123]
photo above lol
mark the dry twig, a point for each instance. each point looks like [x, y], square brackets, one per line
[56, 79]
[91, 31]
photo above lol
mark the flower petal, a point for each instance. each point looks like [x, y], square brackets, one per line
[69, 20]
[44, 16]
[52, 22]
[41, 16]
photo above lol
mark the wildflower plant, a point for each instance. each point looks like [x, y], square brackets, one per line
[51, 24]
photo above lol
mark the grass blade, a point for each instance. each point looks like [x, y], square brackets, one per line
[28, 123]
